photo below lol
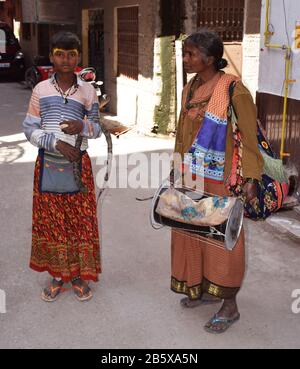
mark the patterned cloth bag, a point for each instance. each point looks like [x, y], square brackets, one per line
[270, 193]
[56, 174]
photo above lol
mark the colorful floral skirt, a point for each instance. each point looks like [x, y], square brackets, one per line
[65, 237]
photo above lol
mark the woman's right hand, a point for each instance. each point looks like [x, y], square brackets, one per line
[68, 151]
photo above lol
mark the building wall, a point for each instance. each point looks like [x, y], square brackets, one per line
[270, 108]
[251, 45]
[233, 52]
[190, 24]
[7, 12]
[146, 96]
[29, 45]
[40, 20]
[271, 79]
[272, 61]
[138, 95]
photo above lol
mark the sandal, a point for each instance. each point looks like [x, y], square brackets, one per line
[82, 290]
[215, 324]
[52, 293]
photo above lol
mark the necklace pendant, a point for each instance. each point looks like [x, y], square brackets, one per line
[66, 101]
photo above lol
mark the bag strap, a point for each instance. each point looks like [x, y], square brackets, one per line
[236, 175]
[231, 92]
[232, 112]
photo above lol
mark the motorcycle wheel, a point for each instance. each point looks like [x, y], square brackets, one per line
[32, 77]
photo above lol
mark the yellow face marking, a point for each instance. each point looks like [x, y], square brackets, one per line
[63, 52]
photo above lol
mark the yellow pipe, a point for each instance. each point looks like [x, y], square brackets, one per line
[267, 22]
[276, 46]
[286, 94]
[288, 61]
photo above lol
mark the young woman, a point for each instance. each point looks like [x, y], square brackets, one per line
[202, 269]
[65, 239]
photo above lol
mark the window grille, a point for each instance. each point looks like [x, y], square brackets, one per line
[128, 42]
[226, 17]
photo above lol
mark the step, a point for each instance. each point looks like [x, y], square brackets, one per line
[286, 224]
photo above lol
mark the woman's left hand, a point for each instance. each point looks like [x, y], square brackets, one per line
[73, 127]
[250, 192]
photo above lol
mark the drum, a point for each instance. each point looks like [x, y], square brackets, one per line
[217, 218]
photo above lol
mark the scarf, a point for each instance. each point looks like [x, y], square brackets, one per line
[206, 157]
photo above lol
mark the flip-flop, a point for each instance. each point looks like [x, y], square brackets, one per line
[54, 291]
[216, 321]
[80, 295]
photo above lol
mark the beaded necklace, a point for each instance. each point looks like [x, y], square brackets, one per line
[69, 92]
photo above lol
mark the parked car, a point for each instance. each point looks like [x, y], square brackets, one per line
[12, 61]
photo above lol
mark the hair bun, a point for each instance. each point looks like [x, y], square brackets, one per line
[223, 63]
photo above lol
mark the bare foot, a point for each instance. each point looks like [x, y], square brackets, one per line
[205, 299]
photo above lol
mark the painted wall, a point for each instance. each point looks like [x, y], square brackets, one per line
[251, 45]
[272, 65]
[139, 95]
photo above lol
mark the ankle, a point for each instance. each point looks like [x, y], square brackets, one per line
[229, 307]
[76, 280]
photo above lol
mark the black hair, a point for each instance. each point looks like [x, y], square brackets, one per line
[65, 40]
[210, 43]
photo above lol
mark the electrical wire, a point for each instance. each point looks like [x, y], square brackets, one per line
[287, 35]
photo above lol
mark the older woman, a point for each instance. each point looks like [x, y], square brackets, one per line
[202, 269]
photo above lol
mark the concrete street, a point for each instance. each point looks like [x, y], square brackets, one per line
[133, 306]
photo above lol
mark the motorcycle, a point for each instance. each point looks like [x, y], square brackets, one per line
[89, 75]
[115, 128]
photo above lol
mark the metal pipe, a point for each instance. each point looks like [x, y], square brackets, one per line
[267, 23]
[288, 60]
[277, 46]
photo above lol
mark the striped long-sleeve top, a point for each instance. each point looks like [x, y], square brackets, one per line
[47, 109]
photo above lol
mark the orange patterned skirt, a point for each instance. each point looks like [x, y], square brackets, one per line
[203, 265]
[200, 265]
[65, 237]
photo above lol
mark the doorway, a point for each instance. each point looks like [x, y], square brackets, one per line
[96, 42]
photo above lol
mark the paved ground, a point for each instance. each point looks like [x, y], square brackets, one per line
[133, 306]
